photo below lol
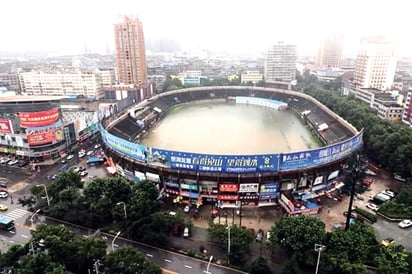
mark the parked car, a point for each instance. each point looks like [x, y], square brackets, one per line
[23, 163]
[3, 184]
[83, 173]
[4, 160]
[96, 146]
[75, 168]
[81, 168]
[12, 162]
[372, 206]
[352, 214]
[3, 207]
[387, 242]
[186, 232]
[90, 152]
[81, 154]
[69, 157]
[389, 193]
[405, 224]
[268, 234]
[55, 177]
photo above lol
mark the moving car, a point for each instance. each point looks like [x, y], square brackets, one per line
[405, 223]
[4, 194]
[3, 207]
[372, 206]
[186, 209]
[186, 232]
[387, 242]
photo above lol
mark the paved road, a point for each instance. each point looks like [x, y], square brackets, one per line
[385, 229]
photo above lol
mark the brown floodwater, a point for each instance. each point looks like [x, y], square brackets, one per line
[229, 128]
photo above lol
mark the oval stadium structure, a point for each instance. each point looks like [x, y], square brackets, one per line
[232, 180]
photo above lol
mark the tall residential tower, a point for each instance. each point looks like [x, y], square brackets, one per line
[280, 63]
[375, 63]
[330, 51]
[130, 52]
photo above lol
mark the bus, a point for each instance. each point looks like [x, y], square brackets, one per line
[6, 223]
[94, 160]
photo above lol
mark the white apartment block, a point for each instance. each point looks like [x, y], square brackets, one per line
[108, 76]
[280, 63]
[375, 64]
[407, 108]
[88, 84]
[253, 76]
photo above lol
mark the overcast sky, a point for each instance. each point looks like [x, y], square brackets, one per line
[66, 27]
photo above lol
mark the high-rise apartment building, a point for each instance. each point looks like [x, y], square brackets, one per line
[407, 108]
[375, 63]
[330, 51]
[130, 52]
[280, 63]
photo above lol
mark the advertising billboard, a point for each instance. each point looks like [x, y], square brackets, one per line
[38, 118]
[213, 163]
[228, 187]
[5, 126]
[248, 188]
[132, 150]
[315, 157]
[269, 191]
[43, 135]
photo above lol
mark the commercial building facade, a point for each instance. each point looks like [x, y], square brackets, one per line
[330, 51]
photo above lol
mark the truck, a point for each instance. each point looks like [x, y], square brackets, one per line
[6, 223]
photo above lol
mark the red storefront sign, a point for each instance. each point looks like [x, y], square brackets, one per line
[41, 138]
[5, 126]
[39, 118]
[227, 197]
[228, 187]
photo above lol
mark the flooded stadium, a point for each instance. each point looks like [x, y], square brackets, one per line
[229, 128]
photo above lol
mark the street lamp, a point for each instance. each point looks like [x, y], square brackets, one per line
[32, 216]
[319, 248]
[208, 265]
[228, 243]
[114, 239]
[45, 190]
[124, 208]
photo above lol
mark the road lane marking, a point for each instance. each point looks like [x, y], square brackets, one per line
[188, 266]
[12, 232]
[11, 241]
[149, 255]
[24, 236]
[169, 261]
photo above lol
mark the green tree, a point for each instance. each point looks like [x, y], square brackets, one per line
[393, 259]
[298, 234]
[144, 200]
[88, 250]
[39, 262]
[127, 260]
[291, 266]
[260, 266]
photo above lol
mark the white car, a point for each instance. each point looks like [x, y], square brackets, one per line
[186, 209]
[372, 206]
[75, 168]
[90, 152]
[83, 173]
[4, 194]
[405, 224]
[96, 146]
[388, 193]
[13, 162]
[69, 157]
[82, 154]
[186, 232]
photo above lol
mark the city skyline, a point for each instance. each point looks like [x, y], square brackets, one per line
[71, 27]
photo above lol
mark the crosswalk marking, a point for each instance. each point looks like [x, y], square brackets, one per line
[17, 213]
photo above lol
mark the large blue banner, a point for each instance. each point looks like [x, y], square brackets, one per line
[232, 163]
[311, 158]
[132, 150]
[214, 163]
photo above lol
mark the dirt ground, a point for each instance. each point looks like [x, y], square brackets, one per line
[263, 217]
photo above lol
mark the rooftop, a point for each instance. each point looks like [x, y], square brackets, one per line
[29, 98]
